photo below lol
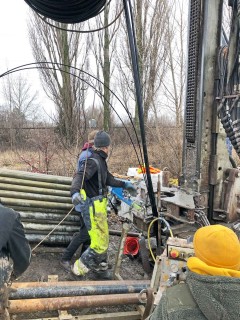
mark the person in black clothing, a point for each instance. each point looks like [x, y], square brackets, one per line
[81, 237]
[13, 244]
[89, 195]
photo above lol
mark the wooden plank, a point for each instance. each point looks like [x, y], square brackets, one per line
[129, 315]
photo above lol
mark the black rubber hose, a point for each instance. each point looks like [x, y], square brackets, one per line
[134, 56]
[71, 11]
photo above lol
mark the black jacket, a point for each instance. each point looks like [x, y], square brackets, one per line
[90, 172]
[13, 242]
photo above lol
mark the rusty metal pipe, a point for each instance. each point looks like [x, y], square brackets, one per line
[66, 303]
[71, 291]
[119, 233]
[16, 285]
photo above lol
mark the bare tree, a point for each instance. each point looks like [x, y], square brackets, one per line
[19, 97]
[106, 72]
[103, 46]
[173, 84]
[63, 84]
[20, 107]
[150, 22]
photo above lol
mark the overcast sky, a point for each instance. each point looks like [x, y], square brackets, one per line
[15, 49]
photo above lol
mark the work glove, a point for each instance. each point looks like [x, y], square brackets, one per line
[78, 200]
[130, 188]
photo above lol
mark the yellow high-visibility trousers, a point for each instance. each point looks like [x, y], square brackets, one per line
[98, 233]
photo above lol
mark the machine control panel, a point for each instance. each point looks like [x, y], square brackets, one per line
[179, 249]
[174, 262]
[180, 253]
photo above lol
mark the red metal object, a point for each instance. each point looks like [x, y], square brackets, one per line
[131, 246]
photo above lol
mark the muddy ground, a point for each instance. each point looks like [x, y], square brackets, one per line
[45, 262]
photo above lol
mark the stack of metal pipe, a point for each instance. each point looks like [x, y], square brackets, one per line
[48, 296]
[42, 201]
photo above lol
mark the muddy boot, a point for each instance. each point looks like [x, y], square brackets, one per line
[66, 265]
[102, 272]
[79, 268]
[103, 275]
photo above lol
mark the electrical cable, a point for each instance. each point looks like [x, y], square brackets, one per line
[149, 229]
[99, 93]
[70, 11]
[228, 108]
[82, 31]
[16, 69]
[23, 67]
[20, 69]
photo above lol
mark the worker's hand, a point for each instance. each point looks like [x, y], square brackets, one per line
[130, 188]
[77, 199]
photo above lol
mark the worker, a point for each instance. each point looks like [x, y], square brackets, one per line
[13, 244]
[89, 195]
[82, 237]
[212, 285]
[87, 149]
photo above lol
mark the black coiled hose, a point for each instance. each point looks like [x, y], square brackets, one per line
[67, 11]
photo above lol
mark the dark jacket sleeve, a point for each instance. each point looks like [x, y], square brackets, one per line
[113, 182]
[19, 248]
[85, 171]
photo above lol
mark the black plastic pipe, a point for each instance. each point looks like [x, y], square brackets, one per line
[134, 56]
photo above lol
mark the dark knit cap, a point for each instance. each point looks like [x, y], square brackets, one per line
[102, 139]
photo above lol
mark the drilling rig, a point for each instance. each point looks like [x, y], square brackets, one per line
[209, 188]
[210, 185]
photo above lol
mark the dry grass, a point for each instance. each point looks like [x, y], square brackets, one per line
[63, 162]
[59, 163]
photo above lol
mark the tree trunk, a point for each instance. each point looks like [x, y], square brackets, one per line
[139, 39]
[106, 74]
